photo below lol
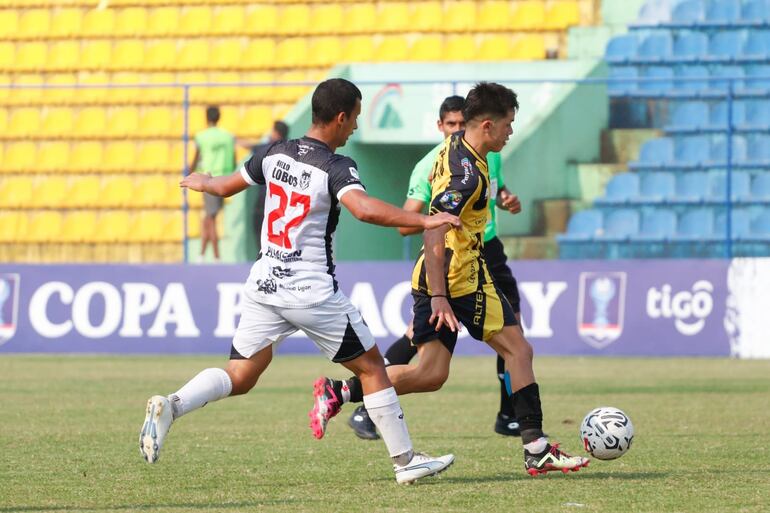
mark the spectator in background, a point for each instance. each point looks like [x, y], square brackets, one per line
[215, 156]
[279, 133]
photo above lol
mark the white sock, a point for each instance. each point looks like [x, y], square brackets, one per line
[385, 411]
[345, 392]
[208, 386]
[536, 446]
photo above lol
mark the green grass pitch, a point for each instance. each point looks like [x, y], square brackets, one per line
[69, 438]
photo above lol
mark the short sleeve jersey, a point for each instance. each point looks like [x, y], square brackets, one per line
[460, 185]
[304, 181]
[419, 185]
[217, 151]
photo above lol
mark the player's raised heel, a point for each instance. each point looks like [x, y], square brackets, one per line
[157, 422]
[326, 405]
[552, 459]
[421, 465]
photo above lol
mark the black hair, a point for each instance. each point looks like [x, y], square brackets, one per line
[451, 104]
[282, 129]
[489, 99]
[332, 97]
[212, 114]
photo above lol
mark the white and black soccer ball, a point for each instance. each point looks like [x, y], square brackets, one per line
[607, 433]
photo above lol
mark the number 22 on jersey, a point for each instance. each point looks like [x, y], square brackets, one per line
[281, 238]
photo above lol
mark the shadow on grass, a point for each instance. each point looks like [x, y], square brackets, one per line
[235, 506]
[583, 474]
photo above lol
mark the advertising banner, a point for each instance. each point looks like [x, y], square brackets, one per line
[624, 307]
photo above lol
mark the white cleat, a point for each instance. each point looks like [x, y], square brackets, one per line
[422, 465]
[157, 422]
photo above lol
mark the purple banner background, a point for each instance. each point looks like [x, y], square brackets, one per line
[653, 308]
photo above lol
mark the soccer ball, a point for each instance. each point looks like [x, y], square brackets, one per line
[607, 433]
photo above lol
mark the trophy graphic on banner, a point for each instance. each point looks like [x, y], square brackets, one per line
[602, 291]
[5, 292]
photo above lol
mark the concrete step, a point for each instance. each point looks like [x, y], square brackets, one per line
[530, 247]
[622, 145]
[590, 180]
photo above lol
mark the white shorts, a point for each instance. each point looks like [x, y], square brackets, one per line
[336, 327]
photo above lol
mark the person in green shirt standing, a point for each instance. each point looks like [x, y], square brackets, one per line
[215, 156]
[419, 194]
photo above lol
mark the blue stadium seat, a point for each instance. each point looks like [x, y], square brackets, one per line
[762, 83]
[718, 151]
[689, 117]
[584, 225]
[655, 153]
[757, 46]
[690, 47]
[691, 152]
[725, 46]
[760, 187]
[760, 224]
[663, 82]
[621, 49]
[619, 87]
[740, 186]
[740, 224]
[734, 73]
[688, 13]
[622, 188]
[657, 187]
[654, 12]
[657, 224]
[621, 224]
[759, 151]
[692, 187]
[718, 116]
[723, 12]
[755, 12]
[696, 224]
[757, 116]
[655, 48]
[692, 87]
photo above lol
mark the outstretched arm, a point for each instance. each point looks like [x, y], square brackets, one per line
[371, 210]
[224, 186]
[411, 205]
[434, 269]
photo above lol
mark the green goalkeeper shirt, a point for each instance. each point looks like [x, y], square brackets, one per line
[419, 185]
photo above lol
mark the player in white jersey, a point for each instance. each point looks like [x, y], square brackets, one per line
[292, 287]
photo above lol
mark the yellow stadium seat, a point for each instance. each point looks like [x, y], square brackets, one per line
[90, 121]
[257, 93]
[325, 51]
[226, 94]
[128, 55]
[150, 191]
[326, 18]
[84, 193]
[528, 47]
[256, 121]
[35, 23]
[392, 49]
[291, 53]
[176, 155]
[45, 227]
[427, 48]
[7, 55]
[173, 192]
[562, 14]
[94, 95]
[195, 21]
[58, 122]
[124, 122]
[10, 226]
[128, 92]
[9, 21]
[26, 95]
[78, 227]
[163, 93]
[294, 20]
[460, 17]
[147, 226]
[494, 15]
[228, 120]
[117, 192]
[198, 94]
[153, 156]
[16, 191]
[460, 48]
[259, 54]
[112, 226]
[50, 192]
[427, 17]
[289, 93]
[528, 15]
[163, 21]
[3, 122]
[24, 122]
[67, 22]
[96, 55]
[193, 55]
[358, 49]
[228, 21]
[194, 199]
[20, 157]
[495, 48]
[262, 20]
[160, 55]
[87, 157]
[62, 95]
[53, 157]
[394, 17]
[159, 122]
[173, 229]
[361, 19]
[119, 157]
[227, 54]
[131, 22]
[31, 56]
[99, 22]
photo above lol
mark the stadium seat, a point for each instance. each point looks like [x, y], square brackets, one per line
[67, 22]
[117, 192]
[20, 157]
[757, 47]
[623, 81]
[692, 187]
[256, 120]
[173, 197]
[326, 17]
[147, 226]
[53, 157]
[7, 55]
[84, 193]
[688, 13]
[150, 191]
[427, 17]
[657, 187]
[45, 227]
[119, 157]
[689, 117]
[26, 94]
[291, 53]
[193, 55]
[11, 226]
[31, 56]
[362, 18]
[393, 17]
[153, 156]
[696, 83]
[621, 49]
[656, 224]
[112, 226]
[760, 223]
[757, 150]
[696, 224]
[24, 122]
[35, 23]
[757, 79]
[163, 21]
[740, 186]
[496, 47]
[723, 12]
[195, 21]
[392, 49]
[262, 20]
[755, 12]
[87, 157]
[78, 227]
[50, 192]
[96, 55]
[128, 55]
[655, 48]
[160, 56]
[460, 16]
[655, 153]
[689, 47]
[294, 20]
[9, 21]
[718, 151]
[98, 22]
[358, 49]
[562, 14]
[460, 48]
[740, 224]
[124, 122]
[16, 191]
[528, 47]
[718, 115]
[622, 188]
[584, 225]
[760, 187]
[621, 224]
[692, 151]
[494, 15]
[725, 46]
[662, 80]
[131, 22]
[325, 51]
[221, 94]
[160, 122]
[259, 54]
[227, 54]
[58, 122]
[528, 15]
[228, 21]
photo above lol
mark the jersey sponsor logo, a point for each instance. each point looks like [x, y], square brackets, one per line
[303, 149]
[304, 180]
[688, 308]
[467, 170]
[9, 305]
[601, 307]
[354, 173]
[284, 256]
[280, 173]
[267, 286]
[282, 272]
[450, 199]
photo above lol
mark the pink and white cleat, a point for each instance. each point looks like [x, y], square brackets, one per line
[326, 404]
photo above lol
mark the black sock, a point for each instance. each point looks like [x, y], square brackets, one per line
[356, 390]
[506, 408]
[526, 404]
[401, 352]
